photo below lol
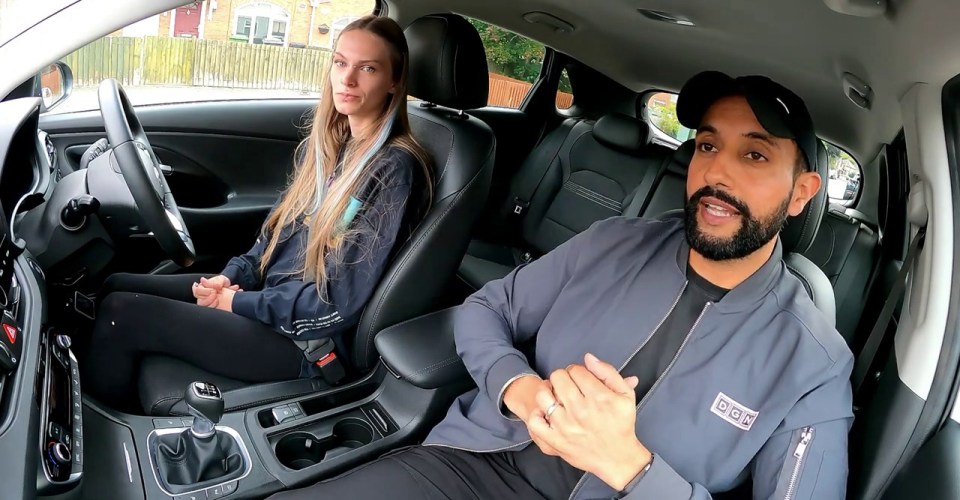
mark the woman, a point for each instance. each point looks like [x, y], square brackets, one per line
[322, 249]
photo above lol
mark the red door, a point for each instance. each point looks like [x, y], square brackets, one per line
[187, 23]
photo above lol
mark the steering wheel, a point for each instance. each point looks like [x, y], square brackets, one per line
[141, 172]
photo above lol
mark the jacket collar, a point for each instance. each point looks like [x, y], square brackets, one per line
[754, 288]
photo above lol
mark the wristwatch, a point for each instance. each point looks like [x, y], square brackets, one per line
[636, 480]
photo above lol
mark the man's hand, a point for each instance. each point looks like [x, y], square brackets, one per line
[593, 426]
[521, 395]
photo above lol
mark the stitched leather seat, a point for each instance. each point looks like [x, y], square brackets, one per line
[582, 172]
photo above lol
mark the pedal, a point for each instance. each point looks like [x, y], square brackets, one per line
[84, 305]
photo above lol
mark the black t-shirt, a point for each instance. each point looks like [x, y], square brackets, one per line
[663, 345]
[553, 477]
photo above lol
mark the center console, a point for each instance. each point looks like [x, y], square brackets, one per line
[61, 421]
[297, 442]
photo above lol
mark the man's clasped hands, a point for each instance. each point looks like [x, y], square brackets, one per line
[584, 414]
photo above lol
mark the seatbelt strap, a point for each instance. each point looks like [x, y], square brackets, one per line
[321, 352]
[523, 193]
[865, 360]
[641, 195]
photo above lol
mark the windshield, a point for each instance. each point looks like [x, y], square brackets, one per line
[18, 15]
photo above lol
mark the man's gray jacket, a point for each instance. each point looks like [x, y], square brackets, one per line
[760, 385]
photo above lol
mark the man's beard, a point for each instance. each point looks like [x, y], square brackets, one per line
[753, 232]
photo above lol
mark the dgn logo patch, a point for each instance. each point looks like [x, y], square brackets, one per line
[733, 412]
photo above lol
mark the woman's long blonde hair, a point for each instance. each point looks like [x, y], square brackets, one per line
[323, 207]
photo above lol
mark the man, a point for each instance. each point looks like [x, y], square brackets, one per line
[716, 364]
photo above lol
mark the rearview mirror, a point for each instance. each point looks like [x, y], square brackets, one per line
[56, 82]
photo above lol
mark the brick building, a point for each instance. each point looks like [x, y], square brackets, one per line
[297, 23]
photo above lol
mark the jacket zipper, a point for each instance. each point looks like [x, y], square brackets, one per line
[506, 448]
[662, 375]
[654, 332]
[674, 360]
[806, 436]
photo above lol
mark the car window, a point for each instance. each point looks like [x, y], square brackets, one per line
[661, 109]
[843, 185]
[210, 51]
[513, 62]
[564, 91]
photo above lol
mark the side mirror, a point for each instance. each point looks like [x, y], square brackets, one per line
[56, 83]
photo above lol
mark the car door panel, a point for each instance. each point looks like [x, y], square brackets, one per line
[228, 161]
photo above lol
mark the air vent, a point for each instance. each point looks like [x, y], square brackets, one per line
[666, 17]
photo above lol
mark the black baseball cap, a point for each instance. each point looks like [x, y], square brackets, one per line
[780, 111]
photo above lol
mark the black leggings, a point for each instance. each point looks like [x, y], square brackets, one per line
[142, 314]
[434, 473]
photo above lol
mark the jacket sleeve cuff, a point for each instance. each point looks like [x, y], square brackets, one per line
[658, 480]
[244, 304]
[233, 272]
[504, 372]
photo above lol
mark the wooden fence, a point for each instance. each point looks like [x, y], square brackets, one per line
[509, 93]
[214, 63]
[192, 62]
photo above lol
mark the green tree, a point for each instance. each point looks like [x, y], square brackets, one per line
[564, 85]
[668, 122]
[510, 54]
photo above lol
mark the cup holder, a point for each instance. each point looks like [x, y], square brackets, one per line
[300, 450]
[352, 433]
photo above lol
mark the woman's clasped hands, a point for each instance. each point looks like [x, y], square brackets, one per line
[216, 292]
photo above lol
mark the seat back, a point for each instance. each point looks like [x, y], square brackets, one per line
[847, 250]
[448, 71]
[594, 175]
[671, 190]
[797, 237]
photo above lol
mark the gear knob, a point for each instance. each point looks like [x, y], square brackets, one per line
[206, 405]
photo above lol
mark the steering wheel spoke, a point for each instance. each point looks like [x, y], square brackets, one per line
[143, 175]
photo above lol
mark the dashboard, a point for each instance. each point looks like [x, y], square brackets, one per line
[39, 382]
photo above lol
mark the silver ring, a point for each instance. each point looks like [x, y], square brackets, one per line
[552, 408]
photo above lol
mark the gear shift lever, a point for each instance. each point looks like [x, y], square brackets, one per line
[206, 405]
[202, 454]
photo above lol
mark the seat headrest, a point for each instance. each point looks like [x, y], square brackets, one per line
[799, 232]
[684, 152]
[448, 65]
[622, 132]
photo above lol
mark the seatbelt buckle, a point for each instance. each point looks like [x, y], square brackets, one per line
[331, 368]
[520, 206]
[323, 356]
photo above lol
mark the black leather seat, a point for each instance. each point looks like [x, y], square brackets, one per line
[671, 189]
[582, 172]
[448, 71]
[847, 249]
[797, 237]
